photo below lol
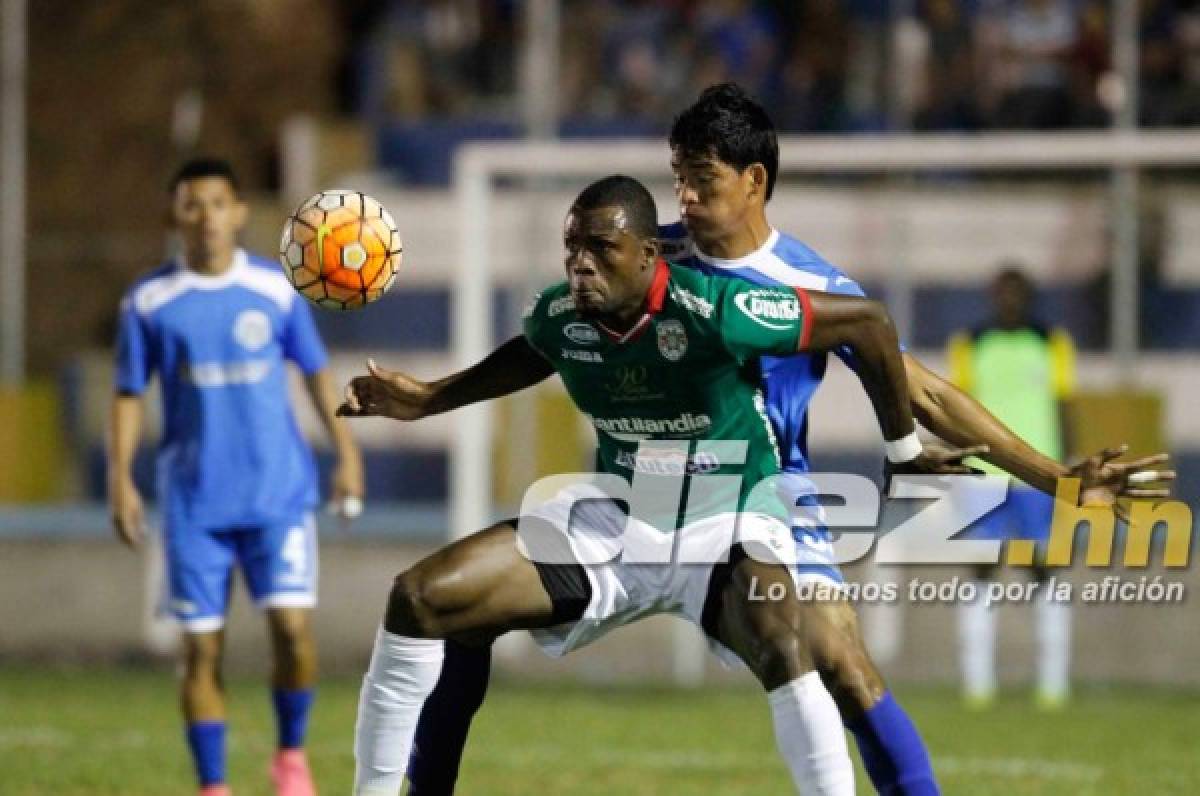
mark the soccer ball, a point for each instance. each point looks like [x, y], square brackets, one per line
[340, 249]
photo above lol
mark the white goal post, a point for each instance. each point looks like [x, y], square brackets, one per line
[478, 165]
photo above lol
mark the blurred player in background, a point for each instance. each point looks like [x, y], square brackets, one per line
[237, 483]
[725, 158]
[1021, 371]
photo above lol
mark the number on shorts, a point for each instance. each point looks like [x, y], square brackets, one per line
[295, 550]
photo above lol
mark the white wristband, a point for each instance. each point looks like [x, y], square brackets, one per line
[904, 449]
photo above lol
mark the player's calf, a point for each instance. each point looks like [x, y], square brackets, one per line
[891, 748]
[202, 695]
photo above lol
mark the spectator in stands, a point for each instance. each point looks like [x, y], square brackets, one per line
[949, 75]
[809, 93]
[1039, 37]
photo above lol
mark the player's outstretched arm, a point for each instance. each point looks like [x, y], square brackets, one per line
[866, 327]
[958, 418]
[347, 489]
[124, 502]
[381, 393]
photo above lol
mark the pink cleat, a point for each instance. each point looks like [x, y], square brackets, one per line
[289, 772]
[216, 790]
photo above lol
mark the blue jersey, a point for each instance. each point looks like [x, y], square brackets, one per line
[231, 452]
[789, 382]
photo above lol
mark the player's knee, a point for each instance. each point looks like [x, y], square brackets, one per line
[294, 642]
[780, 654]
[202, 657]
[847, 670]
[411, 610]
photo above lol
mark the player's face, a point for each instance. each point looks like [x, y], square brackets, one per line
[715, 198]
[607, 265]
[208, 215]
[1011, 299]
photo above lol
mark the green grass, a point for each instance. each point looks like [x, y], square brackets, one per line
[117, 732]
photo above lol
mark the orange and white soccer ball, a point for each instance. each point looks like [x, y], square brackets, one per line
[340, 249]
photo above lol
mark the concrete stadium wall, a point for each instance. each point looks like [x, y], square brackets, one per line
[82, 602]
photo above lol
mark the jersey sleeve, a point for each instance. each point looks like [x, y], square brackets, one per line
[530, 323]
[754, 321]
[134, 360]
[301, 341]
[960, 353]
[1062, 364]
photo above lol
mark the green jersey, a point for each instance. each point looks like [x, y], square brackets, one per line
[1020, 375]
[686, 372]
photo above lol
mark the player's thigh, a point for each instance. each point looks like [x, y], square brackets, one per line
[476, 586]
[199, 564]
[279, 562]
[752, 608]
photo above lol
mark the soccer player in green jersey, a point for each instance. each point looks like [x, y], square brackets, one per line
[725, 158]
[695, 412]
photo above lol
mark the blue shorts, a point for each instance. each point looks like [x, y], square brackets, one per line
[815, 556]
[278, 562]
[1025, 514]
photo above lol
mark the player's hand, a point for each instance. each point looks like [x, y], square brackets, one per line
[385, 393]
[938, 458]
[1102, 481]
[347, 487]
[128, 516]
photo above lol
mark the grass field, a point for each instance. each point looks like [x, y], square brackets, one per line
[116, 732]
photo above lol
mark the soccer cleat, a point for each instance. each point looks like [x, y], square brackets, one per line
[1049, 701]
[216, 790]
[289, 772]
[979, 700]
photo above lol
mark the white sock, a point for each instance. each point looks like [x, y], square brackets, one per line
[810, 736]
[402, 673]
[1054, 646]
[977, 646]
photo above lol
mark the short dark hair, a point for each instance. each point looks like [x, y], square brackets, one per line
[1013, 271]
[626, 193]
[729, 123]
[196, 168]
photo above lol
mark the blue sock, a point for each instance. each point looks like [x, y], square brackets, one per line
[892, 751]
[207, 742]
[291, 715]
[446, 719]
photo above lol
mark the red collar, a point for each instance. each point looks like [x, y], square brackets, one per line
[655, 298]
[658, 287]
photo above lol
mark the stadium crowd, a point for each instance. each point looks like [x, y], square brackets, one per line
[821, 65]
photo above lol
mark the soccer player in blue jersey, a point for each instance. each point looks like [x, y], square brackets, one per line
[725, 157]
[236, 481]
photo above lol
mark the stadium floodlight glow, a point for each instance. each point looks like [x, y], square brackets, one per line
[478, 165]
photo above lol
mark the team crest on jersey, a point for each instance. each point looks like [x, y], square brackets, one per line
[252, 329]
[581, 333]
[560, 305]
[672, 340]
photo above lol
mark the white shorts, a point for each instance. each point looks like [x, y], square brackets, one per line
[605, 542]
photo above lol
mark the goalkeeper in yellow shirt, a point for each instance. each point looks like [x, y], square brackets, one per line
[1022, 372]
